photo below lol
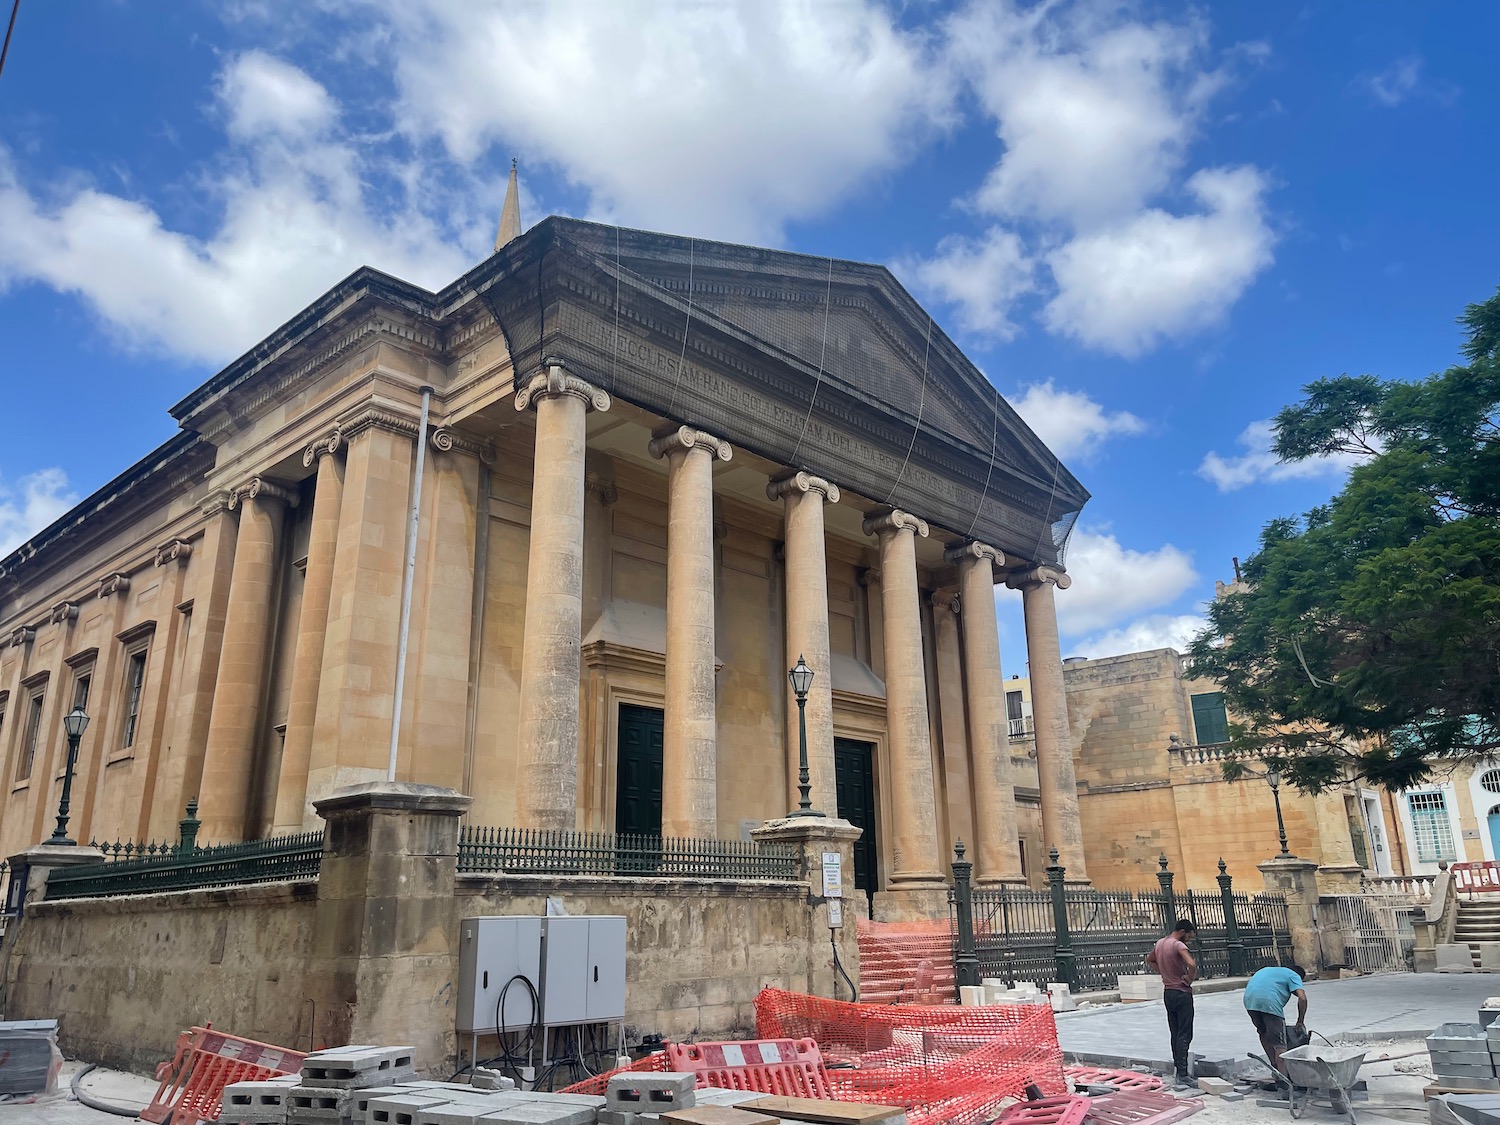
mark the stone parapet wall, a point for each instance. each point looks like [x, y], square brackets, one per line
[124, 976]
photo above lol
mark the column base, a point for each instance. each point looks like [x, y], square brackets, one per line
[912, 904]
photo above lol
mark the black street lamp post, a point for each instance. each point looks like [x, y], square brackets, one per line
[801, 676]
[1273, 779]
[75, 723]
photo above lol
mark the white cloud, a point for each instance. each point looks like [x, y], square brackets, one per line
[1259, 463]
[1096, 110]
[297, 214]
[1398, 82]
[1157, 630]
[33, 502]
[1157, 275]
[726, 120]
[264, 95]
[1069, 422]
[982, 277]
[1113, 583]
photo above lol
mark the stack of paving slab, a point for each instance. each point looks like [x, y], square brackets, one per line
[996, 992]
[1136, 988]
[1463, 1056]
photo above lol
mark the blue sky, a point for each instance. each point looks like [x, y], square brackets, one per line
[1150, 224]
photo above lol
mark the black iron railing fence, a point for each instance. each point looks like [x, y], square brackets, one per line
[184, 864]
[530, 851]
[1088, 938]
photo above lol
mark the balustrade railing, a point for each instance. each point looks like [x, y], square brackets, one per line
[529, 851]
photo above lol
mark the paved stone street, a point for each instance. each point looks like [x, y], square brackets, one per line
[1366, 1009]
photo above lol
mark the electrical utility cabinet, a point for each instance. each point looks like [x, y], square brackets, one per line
[583, 969]
[493, 952]
[575, 964]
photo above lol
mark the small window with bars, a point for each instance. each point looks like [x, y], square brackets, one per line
[1490, 781]
[1430, 827]
[135, 682]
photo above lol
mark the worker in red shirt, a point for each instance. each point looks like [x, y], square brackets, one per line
[1170, 958]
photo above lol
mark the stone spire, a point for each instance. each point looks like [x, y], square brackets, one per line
[510, 213]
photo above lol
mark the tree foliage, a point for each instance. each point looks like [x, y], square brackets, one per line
[1366, 639]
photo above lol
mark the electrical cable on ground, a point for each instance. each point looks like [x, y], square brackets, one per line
[95, 1103]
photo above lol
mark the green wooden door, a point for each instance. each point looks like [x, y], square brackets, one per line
[638, 771]
[854, 773]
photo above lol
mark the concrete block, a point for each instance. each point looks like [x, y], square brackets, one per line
[615, 1117]
[1454, 958]
[1232, 1096]
[1489, 956]
[1062, 998]
[971, 996]
[1136, 988]
[658, 1093]
[1216, 1086]
[718, 1115]
[541, 1113]
[316, 1103]
[351, 1068]
[359, 1101]
[1459, 1070]
[400, 1109]
[254, 1102]
[483, 1078]
[715, 1096]
[1476, 1109]
[467, 1112]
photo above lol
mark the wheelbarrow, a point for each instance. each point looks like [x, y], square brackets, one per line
[1328, 1071]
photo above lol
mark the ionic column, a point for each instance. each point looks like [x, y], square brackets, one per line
[689, 785]
[229, 754]
[292, 811]
[1061, 828]
[803, 496]
[547, 758]
[996, 845]
[914, 844]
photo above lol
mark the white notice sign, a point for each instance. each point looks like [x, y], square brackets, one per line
[833, 875]
[835, 913]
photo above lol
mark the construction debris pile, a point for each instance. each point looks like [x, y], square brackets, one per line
[377, 1086]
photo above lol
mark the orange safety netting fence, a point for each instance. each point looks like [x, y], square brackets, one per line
[942, 1063]
[905, 962]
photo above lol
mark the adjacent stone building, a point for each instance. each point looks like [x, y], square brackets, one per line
[656, 471]
[1149, 743]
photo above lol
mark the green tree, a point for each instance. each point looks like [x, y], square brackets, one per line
[1366, 640]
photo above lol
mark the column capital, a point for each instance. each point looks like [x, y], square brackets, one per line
[173, 551]
[973, 549]
[1038, 576]
[325, 446]
[946, 598]
[800, 480]
[554, 380]
[259, 488]
[892, 520]
[445, 439]
[669, 439]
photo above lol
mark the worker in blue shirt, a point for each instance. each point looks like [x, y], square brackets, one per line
[1266, 995]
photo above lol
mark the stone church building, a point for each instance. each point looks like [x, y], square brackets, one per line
[656, 471]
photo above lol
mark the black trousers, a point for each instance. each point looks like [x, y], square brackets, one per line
[1180, 1026]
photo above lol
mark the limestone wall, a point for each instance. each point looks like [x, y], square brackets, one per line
[697, 951]
[124, 976]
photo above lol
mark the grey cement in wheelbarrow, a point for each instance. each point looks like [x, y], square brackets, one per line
[1362, 1009]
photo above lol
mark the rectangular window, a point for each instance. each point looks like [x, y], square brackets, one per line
[1015, 712]
[81, 691]
[1209, 718]
[135, 681]
[29, 738]
[1430, 827]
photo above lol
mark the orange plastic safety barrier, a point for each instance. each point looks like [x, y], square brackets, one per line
[905, 962]
[942, 1063]
[791, 1068]
[1047, 1111]
[192, 1084]
[1132, 1080]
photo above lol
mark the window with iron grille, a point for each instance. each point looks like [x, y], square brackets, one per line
[1210, 720]
[1490, 781]
[29, 737]
[135, 680]
[1430, 826]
